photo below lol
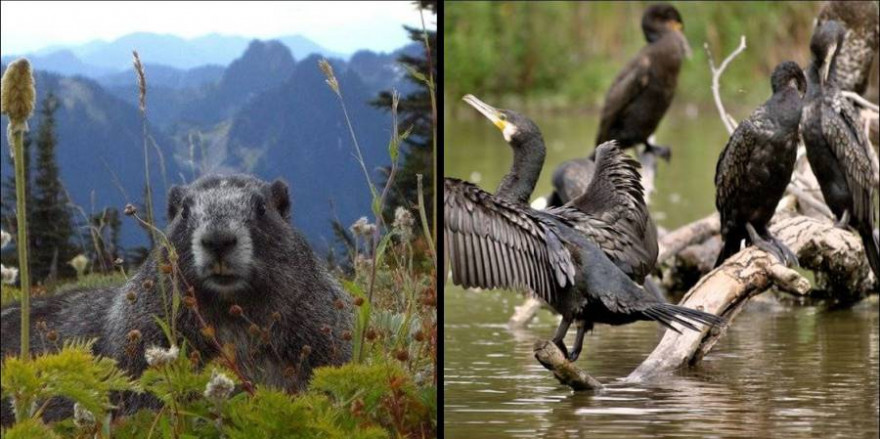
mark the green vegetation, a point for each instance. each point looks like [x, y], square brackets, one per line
[566, 54]
[388, 390]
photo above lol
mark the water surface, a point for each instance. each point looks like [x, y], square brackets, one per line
[778, 372]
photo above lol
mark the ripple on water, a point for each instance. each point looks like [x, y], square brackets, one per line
[797, 373]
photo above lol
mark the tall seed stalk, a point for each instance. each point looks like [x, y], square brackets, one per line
[18, 96]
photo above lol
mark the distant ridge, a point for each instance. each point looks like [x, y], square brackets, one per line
[100, 58]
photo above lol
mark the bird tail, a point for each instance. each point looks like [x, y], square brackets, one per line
[666, 313]
[730, 248]
[872, 249]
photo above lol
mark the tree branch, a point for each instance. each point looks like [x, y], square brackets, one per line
[565, 371]
[857, 98]
[727, 119]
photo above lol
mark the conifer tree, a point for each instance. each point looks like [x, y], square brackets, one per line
[51, 223]
[415, 114]
[8, 220]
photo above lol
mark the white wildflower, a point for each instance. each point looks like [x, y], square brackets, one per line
[79, 263]
[82, 417]
[362, 227]
[157, 356]
[403, 221]
[219, 387]
[8, 274]
[4, 238]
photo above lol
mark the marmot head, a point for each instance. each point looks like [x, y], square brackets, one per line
[218, 222]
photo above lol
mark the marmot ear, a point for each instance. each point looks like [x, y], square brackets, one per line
[175, 199]
[280, 197]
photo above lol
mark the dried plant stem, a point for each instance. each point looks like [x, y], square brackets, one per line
[434, 175]
[357, 146]
[230, 363]
[22, 244]
[424, 219]
[728, 121]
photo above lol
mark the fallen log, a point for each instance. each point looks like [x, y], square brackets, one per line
[820, 247]
[694, 233]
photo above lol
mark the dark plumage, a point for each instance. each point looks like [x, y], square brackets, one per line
[643, 90]
[577, 258]
[493, 243]
[756, 166]
[612, 198]
[862, 22]
[837, 147]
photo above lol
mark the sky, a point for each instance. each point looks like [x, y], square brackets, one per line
[339, 26]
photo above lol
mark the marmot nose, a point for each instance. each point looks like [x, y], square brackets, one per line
[219, 243]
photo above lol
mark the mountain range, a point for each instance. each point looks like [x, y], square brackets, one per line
[100, 58]
[265, 112]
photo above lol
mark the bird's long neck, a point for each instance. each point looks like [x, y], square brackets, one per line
[519, 183]
[814, 84]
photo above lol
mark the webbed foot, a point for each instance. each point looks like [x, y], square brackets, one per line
[791, 259]
[765, 245]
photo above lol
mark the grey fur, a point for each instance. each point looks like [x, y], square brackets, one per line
[278, 273]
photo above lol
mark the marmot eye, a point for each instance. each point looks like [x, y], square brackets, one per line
[184, 213]
[261, 208]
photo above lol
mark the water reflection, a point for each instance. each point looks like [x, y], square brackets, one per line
[800, 372]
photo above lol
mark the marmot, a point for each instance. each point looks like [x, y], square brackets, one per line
[248, 269]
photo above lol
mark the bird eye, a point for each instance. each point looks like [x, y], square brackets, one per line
[261, 208]
[502, 116]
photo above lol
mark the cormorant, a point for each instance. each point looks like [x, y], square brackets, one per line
[643, 90]
[618, 218]
[498, 241]
[837, 147]
[862, 22]
[756, 165]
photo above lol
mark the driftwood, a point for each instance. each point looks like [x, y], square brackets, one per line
[820, 247]
[694, 233]
[565, 371]
[523, 314]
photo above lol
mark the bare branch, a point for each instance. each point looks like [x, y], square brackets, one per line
[727, 119]
[857, 98]
[565, 371]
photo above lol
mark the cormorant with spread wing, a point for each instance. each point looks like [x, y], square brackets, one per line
[620, 221]
[498, 241]
[837, 147]
[643, 90]
[756, 165]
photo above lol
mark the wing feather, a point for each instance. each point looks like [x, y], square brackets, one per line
[496, 244]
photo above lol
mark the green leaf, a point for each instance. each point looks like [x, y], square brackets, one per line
[30, 429]
[416, 74]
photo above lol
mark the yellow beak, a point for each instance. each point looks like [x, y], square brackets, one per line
[487, 110]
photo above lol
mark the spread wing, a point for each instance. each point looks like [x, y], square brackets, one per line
[491, 243]
[628, 84]
[841, 127]
[616, 216]
[572, 178]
